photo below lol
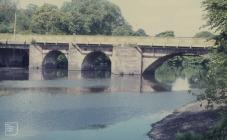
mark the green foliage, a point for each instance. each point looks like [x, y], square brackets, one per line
[84, 17]
[216, 80]
[216, 14]
[48, 20]
[62, 61]
[5, 28]
[23, 21]
[219, 132]
[189, 136]
[95, 17]
[221, 41]
[123, 30]
[140, 32]
[31, 9]
[204, 34]
[192, 68]
[7, 11]
[166, 34]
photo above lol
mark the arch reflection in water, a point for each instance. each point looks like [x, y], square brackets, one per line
[51, 74]
[181, 73]
[155, 84]
[14, 74]
[55, 65]
[97, 66]
[100, 78]
[181, 84]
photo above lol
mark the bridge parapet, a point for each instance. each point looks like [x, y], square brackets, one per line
[114, 40]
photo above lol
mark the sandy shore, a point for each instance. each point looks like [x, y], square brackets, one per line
[192, 117]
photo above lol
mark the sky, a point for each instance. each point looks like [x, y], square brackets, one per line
[184, 17]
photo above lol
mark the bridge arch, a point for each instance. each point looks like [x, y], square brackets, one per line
[55, 60]
[96, 61]
[14, 58]
[158, 61]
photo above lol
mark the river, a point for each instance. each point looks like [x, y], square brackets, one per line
[57, 104]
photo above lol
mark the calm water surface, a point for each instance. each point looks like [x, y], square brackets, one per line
[57, 105]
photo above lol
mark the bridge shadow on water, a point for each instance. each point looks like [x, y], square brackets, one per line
[14, 74]
[155, 84]
[88, 81]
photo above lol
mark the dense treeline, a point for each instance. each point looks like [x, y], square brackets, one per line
[216, 78]
[85, 17]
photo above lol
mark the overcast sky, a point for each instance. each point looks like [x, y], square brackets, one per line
[185, 17]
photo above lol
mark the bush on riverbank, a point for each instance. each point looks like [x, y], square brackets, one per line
[186, 67]
[217, 133]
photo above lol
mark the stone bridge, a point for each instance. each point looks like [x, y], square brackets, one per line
[126, 54]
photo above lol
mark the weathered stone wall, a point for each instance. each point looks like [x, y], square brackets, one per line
[75, 58]
[35, 57]
[126, 59]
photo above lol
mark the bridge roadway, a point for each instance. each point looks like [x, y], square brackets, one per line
[127, 54]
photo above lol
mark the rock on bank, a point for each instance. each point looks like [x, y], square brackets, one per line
[193, 117]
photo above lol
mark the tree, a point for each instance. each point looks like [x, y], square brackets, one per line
[217, 77]
[204, 34]
[216, 19]
[216, 80]
[84, 17]
[23, 21]
[93, 17]
[124, 30]
[48, 19]
[140, 32]
[24, 18]
[7, 11]
[216, 14]
[166, 34]
[97, 17]
[31, 10]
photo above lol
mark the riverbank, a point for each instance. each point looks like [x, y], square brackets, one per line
[192, 117]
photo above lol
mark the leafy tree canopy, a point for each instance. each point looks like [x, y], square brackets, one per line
[84, 17]
[7, 11]
[216, 14]
[217, 77]
[204, 34]
[140, 32]
[166, 34]
[48, 19]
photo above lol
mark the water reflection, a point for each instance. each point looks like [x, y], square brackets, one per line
[98, 77]
[14, 74]
[89, 81]
[181, 84]
[51, 74]
[155, 84]
[95, 74]
[60, 101]
[188, 74]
